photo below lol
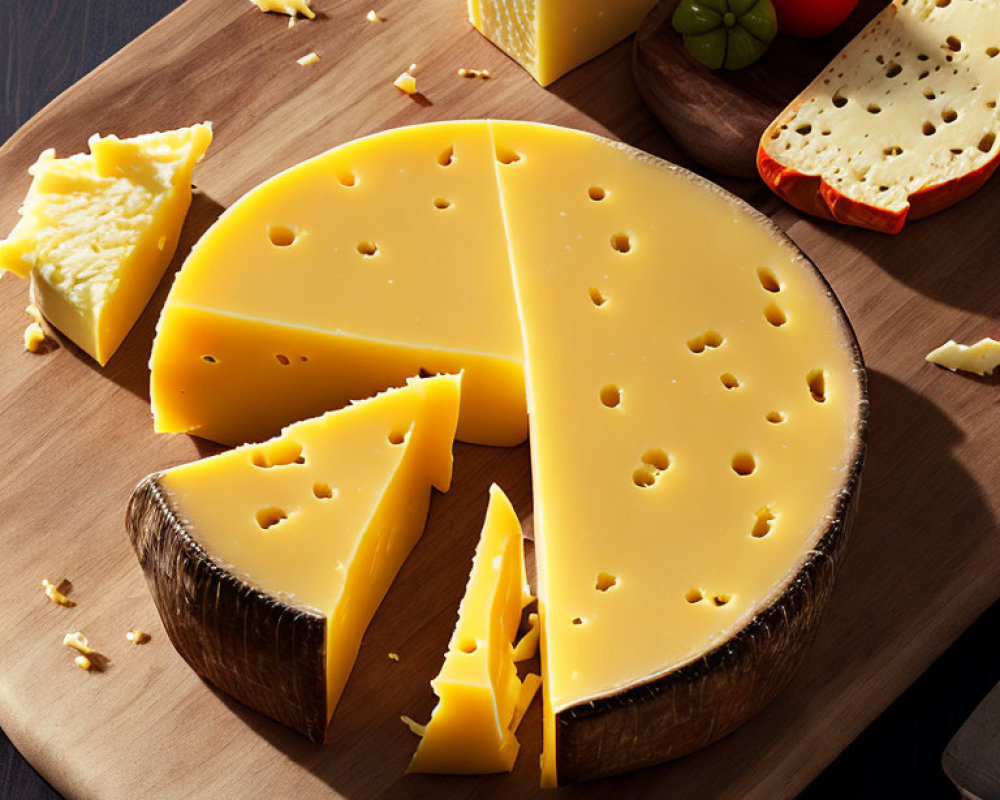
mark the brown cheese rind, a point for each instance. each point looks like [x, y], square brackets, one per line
[265, 653]
[674, 714]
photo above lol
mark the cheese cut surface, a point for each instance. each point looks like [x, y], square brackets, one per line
[379, 259]
[903, 122]
[550, 37]
[981, 358]
[98, 230]
[481, 700]
[267, 562]
[695, 402]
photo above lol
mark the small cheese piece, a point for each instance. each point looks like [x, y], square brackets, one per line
[137, 637]
[373, 16]
[527, 647]
[34, 337]
[550, 37]
[687, 366]
[78, 642]
[84, 663]
[267, 562]
[307, 59]
[471, 731]
[464, 72]
[340, 277]
[902, 123]
[97, 231]
[56, 592]
[405, 82]
[982, 358]
[289, 7]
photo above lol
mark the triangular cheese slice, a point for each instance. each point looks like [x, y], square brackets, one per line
[481, 700]
[97, 231]
[267, 562]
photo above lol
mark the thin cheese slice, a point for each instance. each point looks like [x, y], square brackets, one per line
[909, 108]
[481, 699]
[982, 358]
[687, 379]
[339, 278]
[267, 562]
[97, 231]
[550, 37]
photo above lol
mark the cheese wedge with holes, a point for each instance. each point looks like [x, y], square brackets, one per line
[340, 277]
[480, 699]
[550, 37]
[687, 367]
[901, 124]
[698, 401]
[267, 562]
[97, 231]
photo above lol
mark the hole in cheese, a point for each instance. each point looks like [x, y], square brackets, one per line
[611, 395]
[729, 380]
[397, 437]
[597, 297]
[270, 516]
[953, 43]
[441, 203]
[987, 142]
[768, 279]
[775, 315]
[447, 156]
[596, 193]
[283, 359]
[709, 339]
[949, 115]
[322, 491]
[721, 599]
[467, 645]
[644, 476]
[346, 177]
[775, 417]
[209, 359]
[605, 580]
[621, 242]
[744, 463]
[694, 596]
[657, 458]
[281, 235]
[763, 519]
[277, 453]
[816, 380]
[507, 156]
[367, 249]
[578, 620]
[993, 52]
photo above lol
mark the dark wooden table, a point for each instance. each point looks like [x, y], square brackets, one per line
[47, 45]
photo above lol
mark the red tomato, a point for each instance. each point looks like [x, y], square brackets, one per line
[810, 18]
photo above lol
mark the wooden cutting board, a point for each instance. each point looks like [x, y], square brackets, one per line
[923, 563]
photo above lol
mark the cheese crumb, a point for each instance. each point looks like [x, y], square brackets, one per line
[373, 16]
[84, 663]
[307, 59]
[465, 72]
[528, 646]
[394, 656]
[981, 358]
[413, 725]
[79, 642]
[406, 83]
[34, 337]
[137, 637]
[289, 7]
[52, 591]
[32, 311]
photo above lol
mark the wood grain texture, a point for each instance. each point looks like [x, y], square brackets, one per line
[718, 117]
[923, 563]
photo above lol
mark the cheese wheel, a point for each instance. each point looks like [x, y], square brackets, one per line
[697, 399]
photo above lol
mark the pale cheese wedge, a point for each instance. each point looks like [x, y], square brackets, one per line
[267, 562]
[550, 37]
[481, 700]
[902, 123]
[97, 231]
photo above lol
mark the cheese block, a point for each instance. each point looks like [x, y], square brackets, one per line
[697, 398]
[697, 410]
[97, 231]
[901, 124]
[267, 562]
[550, 37]
[481, 700]
[981, 358]
[340, 277]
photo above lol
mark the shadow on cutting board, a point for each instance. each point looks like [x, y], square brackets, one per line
[924, 533]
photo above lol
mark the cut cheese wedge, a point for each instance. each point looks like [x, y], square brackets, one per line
[267, 562]
[698, 401]
[697, 406]
[901, 124]
[481, 700]
[550, 37]
[341, 277]
[981, 358]
[97, 231]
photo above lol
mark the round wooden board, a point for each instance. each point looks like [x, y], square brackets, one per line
[923, 563]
